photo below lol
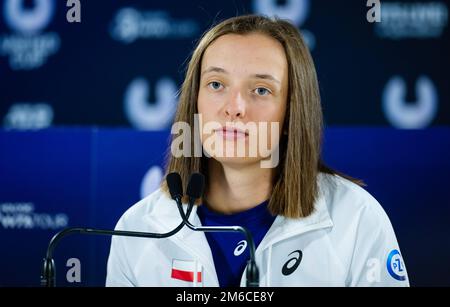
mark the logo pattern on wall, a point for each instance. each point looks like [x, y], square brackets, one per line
[28, 47]
[129, 58]
[410, 115]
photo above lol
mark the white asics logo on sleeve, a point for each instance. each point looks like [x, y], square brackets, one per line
[240, 248]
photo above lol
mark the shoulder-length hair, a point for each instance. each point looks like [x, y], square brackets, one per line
[295, 185]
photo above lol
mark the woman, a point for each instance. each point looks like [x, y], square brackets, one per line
[312, 226]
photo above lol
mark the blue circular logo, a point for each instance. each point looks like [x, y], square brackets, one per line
[395, 265]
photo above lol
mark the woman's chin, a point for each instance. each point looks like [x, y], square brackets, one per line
[241, 161]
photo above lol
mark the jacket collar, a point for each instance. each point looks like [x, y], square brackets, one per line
[284, 228]
[164, 216]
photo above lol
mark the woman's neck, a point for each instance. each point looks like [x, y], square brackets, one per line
[234, 189]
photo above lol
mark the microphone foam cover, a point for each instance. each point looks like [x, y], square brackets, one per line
[175, 185]
[196, 185]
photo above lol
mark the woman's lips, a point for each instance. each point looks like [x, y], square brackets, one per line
[231, 134]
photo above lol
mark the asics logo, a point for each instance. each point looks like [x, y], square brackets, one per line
[240, 248]
[292, 264]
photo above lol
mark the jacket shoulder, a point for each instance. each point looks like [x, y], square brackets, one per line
[345, 199]
[362, 235]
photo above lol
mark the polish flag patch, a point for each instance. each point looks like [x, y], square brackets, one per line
[186, 270]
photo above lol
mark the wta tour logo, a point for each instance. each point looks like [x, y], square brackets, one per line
[23, 216]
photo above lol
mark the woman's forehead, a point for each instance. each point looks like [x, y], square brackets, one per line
[251, 54]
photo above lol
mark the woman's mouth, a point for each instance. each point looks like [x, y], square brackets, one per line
[231, 133]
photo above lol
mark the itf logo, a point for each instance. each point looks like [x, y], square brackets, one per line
[26, 47]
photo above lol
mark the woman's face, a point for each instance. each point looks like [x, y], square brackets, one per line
[243, 86]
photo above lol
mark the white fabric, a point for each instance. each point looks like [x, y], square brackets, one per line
[345, 242]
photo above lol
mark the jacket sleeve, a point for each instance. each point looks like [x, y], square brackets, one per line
[376, 260]
[119, 273]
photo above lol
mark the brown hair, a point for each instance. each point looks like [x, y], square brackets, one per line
[295, 186]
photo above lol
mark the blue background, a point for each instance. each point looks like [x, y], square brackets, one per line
[94, 175]
[72, 155]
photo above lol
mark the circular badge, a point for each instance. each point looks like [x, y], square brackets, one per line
[395, 265]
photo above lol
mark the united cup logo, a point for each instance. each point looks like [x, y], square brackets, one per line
[27, 47]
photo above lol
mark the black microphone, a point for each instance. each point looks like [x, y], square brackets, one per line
[175, 185]
[48, 273]
[195, 191]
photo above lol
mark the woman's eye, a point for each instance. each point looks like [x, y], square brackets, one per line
[215, 85]
[262, 91]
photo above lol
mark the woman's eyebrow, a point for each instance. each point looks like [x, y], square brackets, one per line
[214, 69]
[266, 77]
[257, 76]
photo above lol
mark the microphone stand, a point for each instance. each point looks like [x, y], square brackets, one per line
[48, 274]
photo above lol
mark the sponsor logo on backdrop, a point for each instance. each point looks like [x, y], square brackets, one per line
[28, 47]
[297, 11]
[24, 216]
[410, 114]
[28, 116]
[151, 181]
[405, 20]
[130, 24]
[146, 115]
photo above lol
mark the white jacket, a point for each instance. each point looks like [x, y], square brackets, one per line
[347, 241]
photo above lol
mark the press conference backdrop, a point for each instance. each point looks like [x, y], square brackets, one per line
[86, 109]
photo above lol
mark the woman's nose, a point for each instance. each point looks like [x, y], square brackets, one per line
[236, 106]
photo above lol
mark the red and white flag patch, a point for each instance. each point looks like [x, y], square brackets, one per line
[187, 270]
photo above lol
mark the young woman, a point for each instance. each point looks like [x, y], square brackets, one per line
[312, 226]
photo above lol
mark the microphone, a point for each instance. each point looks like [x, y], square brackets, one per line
[194, 191]
[175, 186]
[48, 273]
